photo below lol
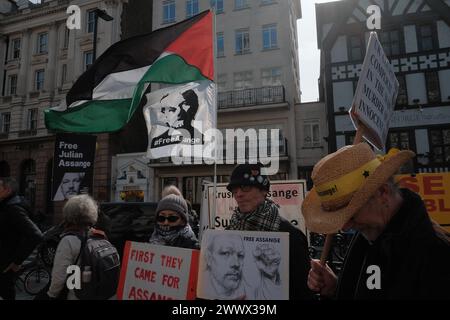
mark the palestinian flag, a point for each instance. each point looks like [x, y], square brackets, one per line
[104, 98]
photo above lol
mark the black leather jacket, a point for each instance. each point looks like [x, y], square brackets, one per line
[18, 234]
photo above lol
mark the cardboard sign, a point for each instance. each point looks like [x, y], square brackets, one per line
[434, 189]
[152, 272]
[288, 195]
[73, 165]
[244, 265]
[376, 94]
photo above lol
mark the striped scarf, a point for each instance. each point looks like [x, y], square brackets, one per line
[264, 218]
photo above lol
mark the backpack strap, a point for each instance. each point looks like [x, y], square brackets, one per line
[83, 238]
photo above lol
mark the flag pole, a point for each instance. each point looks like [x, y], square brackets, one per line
[213, 213]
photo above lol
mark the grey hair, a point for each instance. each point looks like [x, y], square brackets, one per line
[171, 190]
[10, 182]
[80, 211]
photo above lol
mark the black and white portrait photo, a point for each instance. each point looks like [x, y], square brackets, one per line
[70, 186]
[178, 115]
[243, 265]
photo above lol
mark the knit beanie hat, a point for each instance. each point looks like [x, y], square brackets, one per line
[174, 203]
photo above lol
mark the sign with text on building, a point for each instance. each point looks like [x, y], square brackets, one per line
[151, 272]
[434, 189]
[288, 195]
[376, 94]
[73, 165]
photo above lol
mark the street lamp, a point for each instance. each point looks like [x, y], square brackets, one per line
[98, 13]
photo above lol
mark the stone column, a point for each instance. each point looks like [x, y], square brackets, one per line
[50, 73]
[26, 50]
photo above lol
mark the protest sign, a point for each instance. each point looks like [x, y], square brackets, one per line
[288, 195]
[244, 265]
[73, 165]
[375, 95]
[151, 272]
[434, 189]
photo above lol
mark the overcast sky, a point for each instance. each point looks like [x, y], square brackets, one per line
[309, 55]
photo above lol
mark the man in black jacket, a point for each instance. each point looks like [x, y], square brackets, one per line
[256, 212]
[396, 254]
[18, 236]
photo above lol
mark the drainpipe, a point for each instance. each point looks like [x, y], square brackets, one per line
[6, 60]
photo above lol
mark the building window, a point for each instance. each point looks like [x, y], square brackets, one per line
[349, 138]
[400, 140]
[218, 5]
[63, 74]
[42, 42]
[440, 145]
[32, 119]
[311, 133]
[90, 19]
[240, 4]
[6, 121]
[271, 77]
[269, 34]
[243, 80]
[222, 82]
[355, 48]
[169, 11]
[66, 37]
[242, 41]
[88, 59]
[39, 83]
[426, 37]
[191, 8]
[16, 49]
[220, 45]
[433, 90]
[390, 40]
[263, 2]
[402, 97]
[12, 80]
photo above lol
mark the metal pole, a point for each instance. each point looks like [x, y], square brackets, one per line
[213, 215]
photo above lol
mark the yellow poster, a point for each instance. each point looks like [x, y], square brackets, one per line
[434, 189]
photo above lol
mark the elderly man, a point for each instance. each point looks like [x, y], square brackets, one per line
[18, 235]
[396, 253]
[255, 212]
[224, 262]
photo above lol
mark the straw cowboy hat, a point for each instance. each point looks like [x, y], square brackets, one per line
[344, 181]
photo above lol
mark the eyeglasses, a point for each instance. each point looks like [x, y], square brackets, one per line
[243, 188]
[169, 218]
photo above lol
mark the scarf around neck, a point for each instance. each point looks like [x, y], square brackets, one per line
[169, 237]
[264, 218]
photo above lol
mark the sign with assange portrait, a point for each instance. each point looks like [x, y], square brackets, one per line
[244, 265]
[177, 118]
[73, 165]
[375, 95]
[152, 272]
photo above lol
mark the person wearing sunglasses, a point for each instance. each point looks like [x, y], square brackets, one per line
[172, 227]
[256, 212]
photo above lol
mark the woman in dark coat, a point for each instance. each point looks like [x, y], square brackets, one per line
[257, 213]
[172, 227]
